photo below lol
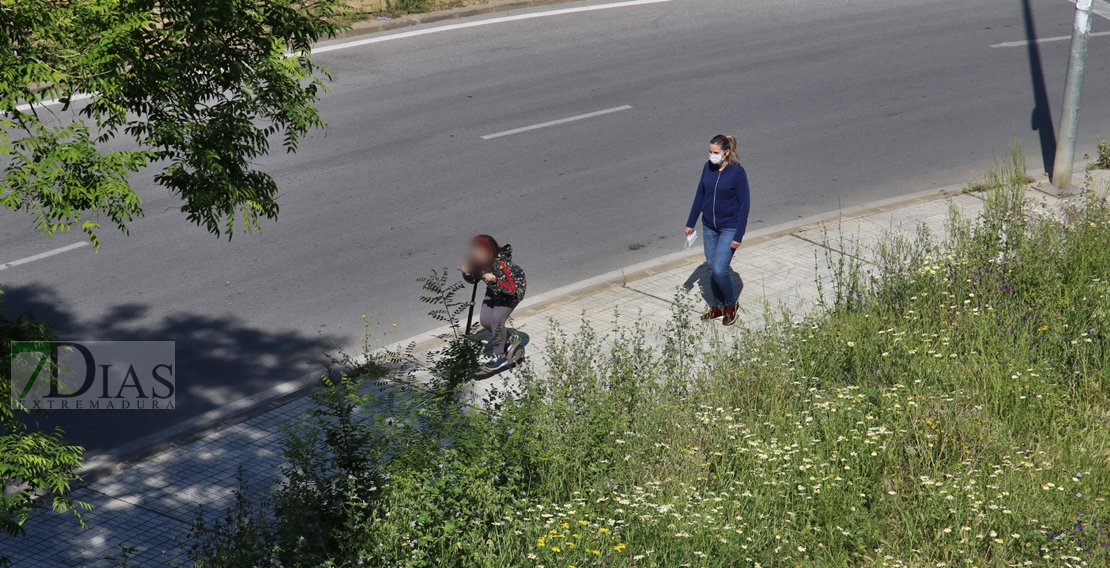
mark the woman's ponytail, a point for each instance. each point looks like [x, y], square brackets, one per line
[726, 142]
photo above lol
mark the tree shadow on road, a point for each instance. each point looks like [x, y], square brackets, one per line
[149, 506]
[147, 510]
[219, 360]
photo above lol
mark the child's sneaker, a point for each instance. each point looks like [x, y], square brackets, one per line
[495, 364]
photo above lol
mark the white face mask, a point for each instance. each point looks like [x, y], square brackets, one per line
[716, 159]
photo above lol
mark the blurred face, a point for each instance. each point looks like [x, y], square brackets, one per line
[480, 256]
[717, 154]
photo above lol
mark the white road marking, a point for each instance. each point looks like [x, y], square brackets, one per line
[424, 31]
[43, 255]
[73, 99]
[487, 22]
[555, 122]
[1099, 8]
[1044, 40]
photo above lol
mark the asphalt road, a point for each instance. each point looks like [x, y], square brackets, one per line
[834, 104]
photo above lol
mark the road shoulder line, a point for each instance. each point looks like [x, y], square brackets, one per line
[367, 27]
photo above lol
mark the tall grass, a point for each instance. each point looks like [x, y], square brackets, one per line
[954, 412]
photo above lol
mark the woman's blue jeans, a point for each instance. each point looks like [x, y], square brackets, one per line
[718, 254]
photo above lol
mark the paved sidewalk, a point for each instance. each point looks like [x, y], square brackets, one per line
[150, 505]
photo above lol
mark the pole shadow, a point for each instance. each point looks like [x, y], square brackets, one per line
[1041, 118]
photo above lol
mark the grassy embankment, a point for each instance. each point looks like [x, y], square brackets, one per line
[371, 9]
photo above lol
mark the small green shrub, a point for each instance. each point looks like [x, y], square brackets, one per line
[1102, 160]
[371, 461]
[459, 359]
[244, 536]
[1009, 172]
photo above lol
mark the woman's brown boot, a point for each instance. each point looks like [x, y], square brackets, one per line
[729, 315]
[713, 313]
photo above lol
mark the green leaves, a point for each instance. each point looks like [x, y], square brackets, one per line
[34, 466]
[57, 175]
[42, 464]
[199, 87]
[459, 359]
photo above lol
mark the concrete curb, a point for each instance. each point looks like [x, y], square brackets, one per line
[117, 459]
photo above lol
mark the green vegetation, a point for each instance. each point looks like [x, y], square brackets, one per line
[198, 87]
[948, 407]
[1010, 171]
[408, 6]
[1102, 162]
[370, 9]
[34, 466]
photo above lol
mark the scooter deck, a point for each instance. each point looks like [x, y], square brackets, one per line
[479, 375]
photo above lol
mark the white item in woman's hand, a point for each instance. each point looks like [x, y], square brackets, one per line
[690, 240]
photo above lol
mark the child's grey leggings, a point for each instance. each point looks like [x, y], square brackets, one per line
[493, 320]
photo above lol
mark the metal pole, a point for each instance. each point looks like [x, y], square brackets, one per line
[1073, 89]
[470, 316]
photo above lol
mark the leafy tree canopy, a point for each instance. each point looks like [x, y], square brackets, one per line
[196, 87]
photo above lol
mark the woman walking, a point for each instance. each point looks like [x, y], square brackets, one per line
[722, 201]
[505, 284]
